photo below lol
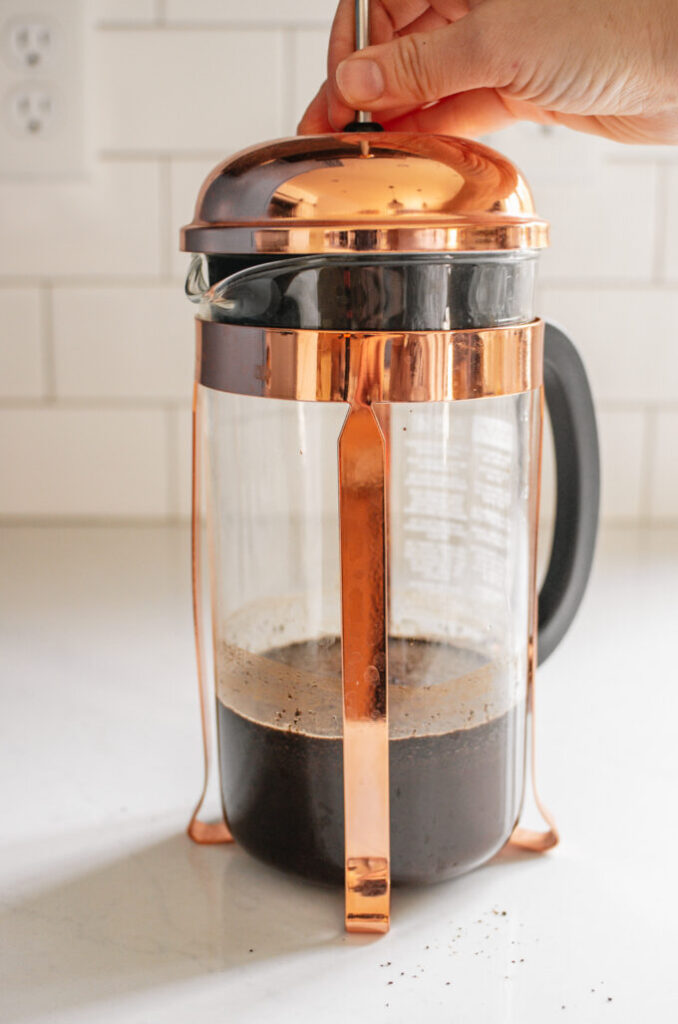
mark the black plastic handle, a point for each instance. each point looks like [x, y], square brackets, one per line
[575, 434]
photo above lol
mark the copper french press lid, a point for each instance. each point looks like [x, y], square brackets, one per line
[367, 192]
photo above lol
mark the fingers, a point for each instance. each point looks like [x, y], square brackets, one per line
[470, 114]
[387, 19]
[428, 22]
[481, 111]
[467, 114]
[315, 120]
[341, 45]
[415, 69]
[336, 113]
[660, 129]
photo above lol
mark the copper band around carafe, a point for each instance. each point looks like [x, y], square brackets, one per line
[329, 366]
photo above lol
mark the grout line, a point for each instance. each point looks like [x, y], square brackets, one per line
[95, 281]
[181, 522]
[660, 228]
[49, 389]
[648, 450]
[77, 522]
[97, 403]
[637, 158]
[165, 215]
[631, 405]
[172, 439]
[149, 155]
[597, 284]
[214, 25]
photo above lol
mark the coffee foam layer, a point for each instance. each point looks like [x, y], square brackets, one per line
[434, 687]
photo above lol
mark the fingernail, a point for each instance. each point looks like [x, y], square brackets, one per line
[360, 80]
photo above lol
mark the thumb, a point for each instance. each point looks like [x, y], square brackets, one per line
[475, 52]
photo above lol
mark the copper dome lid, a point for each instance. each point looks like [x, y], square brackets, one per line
[375, 192]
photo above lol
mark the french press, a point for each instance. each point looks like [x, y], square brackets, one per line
[369, 402]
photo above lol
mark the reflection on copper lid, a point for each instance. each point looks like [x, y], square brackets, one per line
[382, 192]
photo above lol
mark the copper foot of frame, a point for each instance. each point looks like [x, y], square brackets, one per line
[367, 894]
[208, 833]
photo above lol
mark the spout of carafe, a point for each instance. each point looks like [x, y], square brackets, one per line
[197, 285]
[279, 292]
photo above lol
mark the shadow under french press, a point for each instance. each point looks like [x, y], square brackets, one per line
[159, 914]
[165, 913]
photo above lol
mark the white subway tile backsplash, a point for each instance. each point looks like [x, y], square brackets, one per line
[184, 461]
[590, 237]
[186, 177]
[621, 435]
[622, 438]
[671, 225]
[626, 337]
[123, 343]
[83, 462]
[106, 224]
[175, 91]
[21, 371]
[620, 152]
[126, 12]
[664, 486]
[602, 213]
[309, 71]
[255, 11]
[601, 210]
[551, 156]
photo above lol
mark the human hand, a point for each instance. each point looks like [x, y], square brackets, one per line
[468, 67]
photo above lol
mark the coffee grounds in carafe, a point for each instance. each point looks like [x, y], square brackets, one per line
[455, 786]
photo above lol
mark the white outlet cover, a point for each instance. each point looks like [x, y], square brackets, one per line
[42, 88]
[29, 44]
[32, 110]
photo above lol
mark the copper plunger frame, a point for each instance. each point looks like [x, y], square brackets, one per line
[361, 369]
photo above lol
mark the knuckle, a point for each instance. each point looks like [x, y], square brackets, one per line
[414, 70]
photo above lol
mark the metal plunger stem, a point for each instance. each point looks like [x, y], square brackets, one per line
[362, 39]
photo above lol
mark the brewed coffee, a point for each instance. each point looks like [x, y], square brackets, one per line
[455, 781]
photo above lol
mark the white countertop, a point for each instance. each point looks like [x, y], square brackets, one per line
[110, 914]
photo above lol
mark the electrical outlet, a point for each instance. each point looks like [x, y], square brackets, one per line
[28, 43]
[31, 110]
[41, 88]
